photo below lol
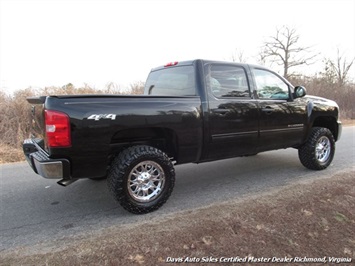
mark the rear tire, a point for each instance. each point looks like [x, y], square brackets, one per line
[318, 151]
[141, 179]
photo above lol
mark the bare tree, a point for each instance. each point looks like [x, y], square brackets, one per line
[283, 49]
[336, 71]
[137, 87]
[238, 56]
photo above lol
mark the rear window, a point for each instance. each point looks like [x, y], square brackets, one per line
[174, 81]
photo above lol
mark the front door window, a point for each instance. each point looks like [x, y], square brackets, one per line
[270, 86]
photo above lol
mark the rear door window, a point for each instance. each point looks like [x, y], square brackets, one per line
[228, 81]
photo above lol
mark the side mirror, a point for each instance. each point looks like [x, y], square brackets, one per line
[300, 91]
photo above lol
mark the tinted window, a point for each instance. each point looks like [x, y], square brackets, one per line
[174, 81]
[228, 81]
[270, 86]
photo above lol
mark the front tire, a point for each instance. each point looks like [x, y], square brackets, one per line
[318, 151]
[141, 179]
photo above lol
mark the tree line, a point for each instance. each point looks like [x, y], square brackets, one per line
[284, 50]
[333, 81]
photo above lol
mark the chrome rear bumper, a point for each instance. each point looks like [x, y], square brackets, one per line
[41, 164]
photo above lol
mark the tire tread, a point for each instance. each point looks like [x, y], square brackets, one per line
[121, 166]
[306, 152]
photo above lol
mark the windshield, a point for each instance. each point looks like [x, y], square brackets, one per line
[174, 81]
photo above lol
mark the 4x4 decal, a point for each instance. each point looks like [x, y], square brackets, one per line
[97, 117]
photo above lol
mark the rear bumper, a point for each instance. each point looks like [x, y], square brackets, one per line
[41, 164]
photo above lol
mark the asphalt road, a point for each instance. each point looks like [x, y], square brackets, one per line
[36, 211]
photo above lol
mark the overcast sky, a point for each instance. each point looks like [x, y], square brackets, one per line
[53, 43]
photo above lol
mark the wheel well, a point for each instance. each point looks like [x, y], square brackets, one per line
[327, 122]
[163, 139]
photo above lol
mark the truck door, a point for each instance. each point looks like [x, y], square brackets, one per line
[282, 120]
[233, 113]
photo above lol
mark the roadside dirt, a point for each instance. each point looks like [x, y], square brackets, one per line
[301, 222]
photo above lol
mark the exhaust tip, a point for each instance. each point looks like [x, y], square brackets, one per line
[66, 182]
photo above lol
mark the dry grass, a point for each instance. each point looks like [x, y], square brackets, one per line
[9, 154]
[315, 220]
[344, 95]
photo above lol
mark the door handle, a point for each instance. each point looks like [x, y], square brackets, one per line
[268, 110]
[221, 111]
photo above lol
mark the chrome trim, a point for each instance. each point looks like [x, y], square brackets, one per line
[340, 130]
[51, 170]
[281, 129]
[233, 135]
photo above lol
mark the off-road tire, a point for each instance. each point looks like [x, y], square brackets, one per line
[317, 152]
[127, 171]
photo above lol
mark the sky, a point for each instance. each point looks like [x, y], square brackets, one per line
[96, 42]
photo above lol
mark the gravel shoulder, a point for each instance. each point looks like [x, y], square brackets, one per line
[308, 220]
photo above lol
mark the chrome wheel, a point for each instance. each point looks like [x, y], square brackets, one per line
[141, 178]
[146, 181]
[317, 152]
[323, 148]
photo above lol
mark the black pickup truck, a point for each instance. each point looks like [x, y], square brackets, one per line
[191, 112]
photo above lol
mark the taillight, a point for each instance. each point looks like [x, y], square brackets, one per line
[57, 129]
[171, 64]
